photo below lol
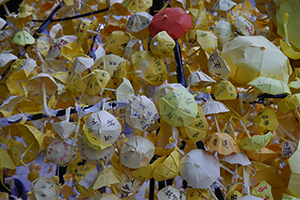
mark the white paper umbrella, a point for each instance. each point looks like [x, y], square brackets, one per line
[129, 185]
[213, 107]
[250, 197]
[101, 130]
[199, 168]
[64, 128]
[237, 158]
[44, 189]
[60, 153]
[170, 192]
[141, 114]
[138, 21]
[199, 78]
[94, 156]
[137, 152]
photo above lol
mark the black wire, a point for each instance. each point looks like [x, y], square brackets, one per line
[74, 17]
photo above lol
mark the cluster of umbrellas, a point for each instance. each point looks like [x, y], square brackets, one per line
[210, 90]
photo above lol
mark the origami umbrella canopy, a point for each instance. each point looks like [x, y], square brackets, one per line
[295, 172]
[162, 44]
[107, 177]
[270, 85]
[23, 38]
[129, 185]
[178, 107]
[199, 79]
[265, 121]
[136, 5]
[175, 21]
[251, 56]
[104, 196]
[44, 188]
[199, 168]
[224, 90]
[101, 130]
[138, 21]
[170, 192]
[136, 152]
[116, 42]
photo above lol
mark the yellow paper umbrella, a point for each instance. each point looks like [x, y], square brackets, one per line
[5, 162]
[178, 107]
[116, 42]
[60, 152]
[72, 50]
[44, 188]
[270, 86]
[262, 53]
[224, 90]
[93, 155]
[32, 138]
[16, 83]
[136, 5]
[195, 194]
[136, 152]
[222, 143]
[101, 130]
[23, 38]
[17, 154]
[195, 131]
[265, 121]
[162, 44]
[255, 142]
[206, 41]
[262, 189]
[108, 63]
[291, 102]
[224, 31]
[129, 185]
[107, 177]
[170, 192]
[288, 197]
[85, 178]
[163, 90]
[148, 68]
[169, 168]
[264, 154]
[199, 79]
[97, 82]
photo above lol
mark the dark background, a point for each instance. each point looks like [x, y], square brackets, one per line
[12, 6]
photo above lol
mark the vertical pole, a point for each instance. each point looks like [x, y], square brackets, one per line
[179, 67]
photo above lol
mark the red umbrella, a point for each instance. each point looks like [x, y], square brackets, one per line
[175, 21]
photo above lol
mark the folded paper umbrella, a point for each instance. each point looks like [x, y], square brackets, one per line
[222, 143]
[149, 69]
[32, 137]
[136, 152]
[212, 107]
[224, 90]
[265, 121]
[237, 158]
[264, 153]
[17, 154]
[244, 26]
[57, 45]
[250, 197]
[23, 38]
[131, 47]
[162, 44]
[255, 142]
[75, 83]
[288, 197]
[72, 50]
[107, 177]
[108, 63]
[195, 131]
[101, 130]
[262, 52]
[60, 153]
[104, 196]
[224, 31]
[16, 83]
[116, 42]
[85, 178]
[141, 114]
[199, 168]
[44, 188]
[294, 85]
[288, 148]
[129, 185]
[195, 194]
[169, 168]
[170, 192]
[125, 91]
[178, 107]
[93, 155]
[64, 128]
[270, 85]
[97, 82]
[175, 21]
[293, 161]
[146, 171]
[285, 45]
[223, 5]
[199, 79]
[291, 102]
[45, 84]
[5, 162]
[137, 5]
[206, 41]
[138, 21]
[163, 90]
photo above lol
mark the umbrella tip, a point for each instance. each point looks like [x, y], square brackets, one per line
[165, 16]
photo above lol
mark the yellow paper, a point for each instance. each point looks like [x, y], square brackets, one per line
[224, 90]
[162, 44]
[84, 171]
[255, 142]
[206, 41]
[72, 50]
[263, 190]
[265, 121]
[116, 42]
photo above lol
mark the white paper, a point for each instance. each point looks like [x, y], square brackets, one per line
[89, 179]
